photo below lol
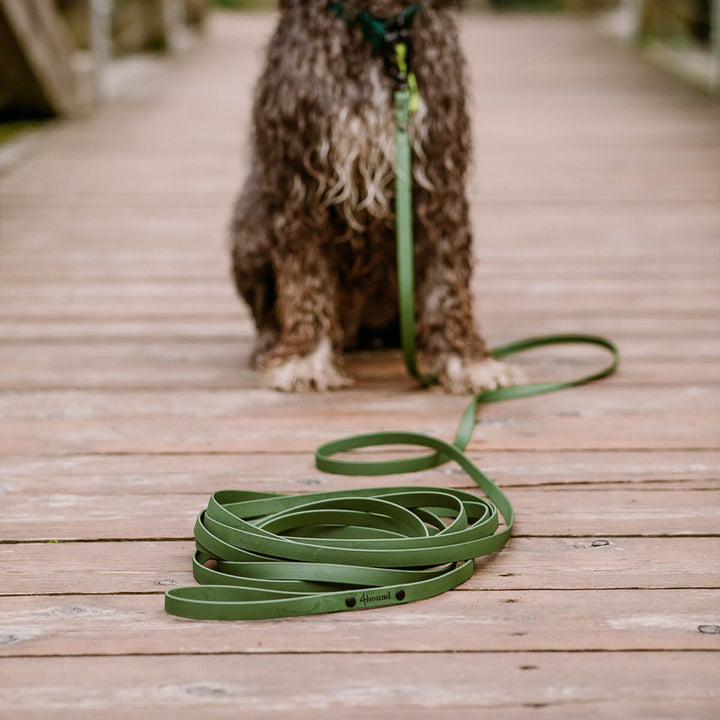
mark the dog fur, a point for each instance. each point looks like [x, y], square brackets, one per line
[313, 230]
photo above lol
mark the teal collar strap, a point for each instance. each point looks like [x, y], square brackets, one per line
[380, 32]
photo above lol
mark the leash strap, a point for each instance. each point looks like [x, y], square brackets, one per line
[267, 555]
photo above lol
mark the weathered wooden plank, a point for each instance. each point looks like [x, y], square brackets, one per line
[89, 272]
[122, 474]
[558, 230]
[128, 174]
[591, 418]
[606, 400]
[691, 337]
[579, 563]
[80, 268]
[125, 300]
[587, 620]
[569, 511]
[214, 364]
[526, 564]
[562, 66]
[98, 291]
[579, 174]
[647, 685]
[586, 124]
[527, 236]
[164, 434]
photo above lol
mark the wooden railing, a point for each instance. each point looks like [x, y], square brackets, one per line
[53, 52]
[684, 35]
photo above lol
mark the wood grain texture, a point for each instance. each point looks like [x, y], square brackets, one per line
[125, 400]
[420, 684]
[184, 473]
[225, 365]
[548, 512]
[528, 563]
[606, 417]
[477, 621]
[183, 298]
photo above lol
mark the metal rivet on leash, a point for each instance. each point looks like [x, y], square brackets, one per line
[281, 555]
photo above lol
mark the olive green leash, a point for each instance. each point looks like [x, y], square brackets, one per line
[268, 555]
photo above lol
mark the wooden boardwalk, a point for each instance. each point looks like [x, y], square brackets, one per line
[126, 400]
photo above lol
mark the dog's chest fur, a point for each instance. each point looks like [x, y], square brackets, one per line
[361, 149]
[313, 243]
[336, 94]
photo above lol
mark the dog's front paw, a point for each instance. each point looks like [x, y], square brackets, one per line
[301, 373]
[464, 375]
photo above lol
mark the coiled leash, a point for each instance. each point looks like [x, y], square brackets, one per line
[267, 555]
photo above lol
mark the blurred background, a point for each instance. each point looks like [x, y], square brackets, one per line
[56, 56]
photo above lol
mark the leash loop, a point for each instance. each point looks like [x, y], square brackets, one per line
[282, 555]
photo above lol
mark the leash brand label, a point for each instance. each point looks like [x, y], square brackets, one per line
[366, 599]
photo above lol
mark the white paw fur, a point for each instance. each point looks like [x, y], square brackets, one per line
[462, 376]
[315, 371]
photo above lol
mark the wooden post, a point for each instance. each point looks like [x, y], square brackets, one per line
[36, 57]
[101, 39]
[173, 20]
[588, 5]
[88, 22]
[686, 19]
[147, 24]
[667, 19]
[53, 52]
[195, 12]
[715, 44]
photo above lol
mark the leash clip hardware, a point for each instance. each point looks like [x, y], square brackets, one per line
[397, 54]
[389, 37]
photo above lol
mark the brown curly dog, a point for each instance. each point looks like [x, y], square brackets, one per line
[313, 240]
